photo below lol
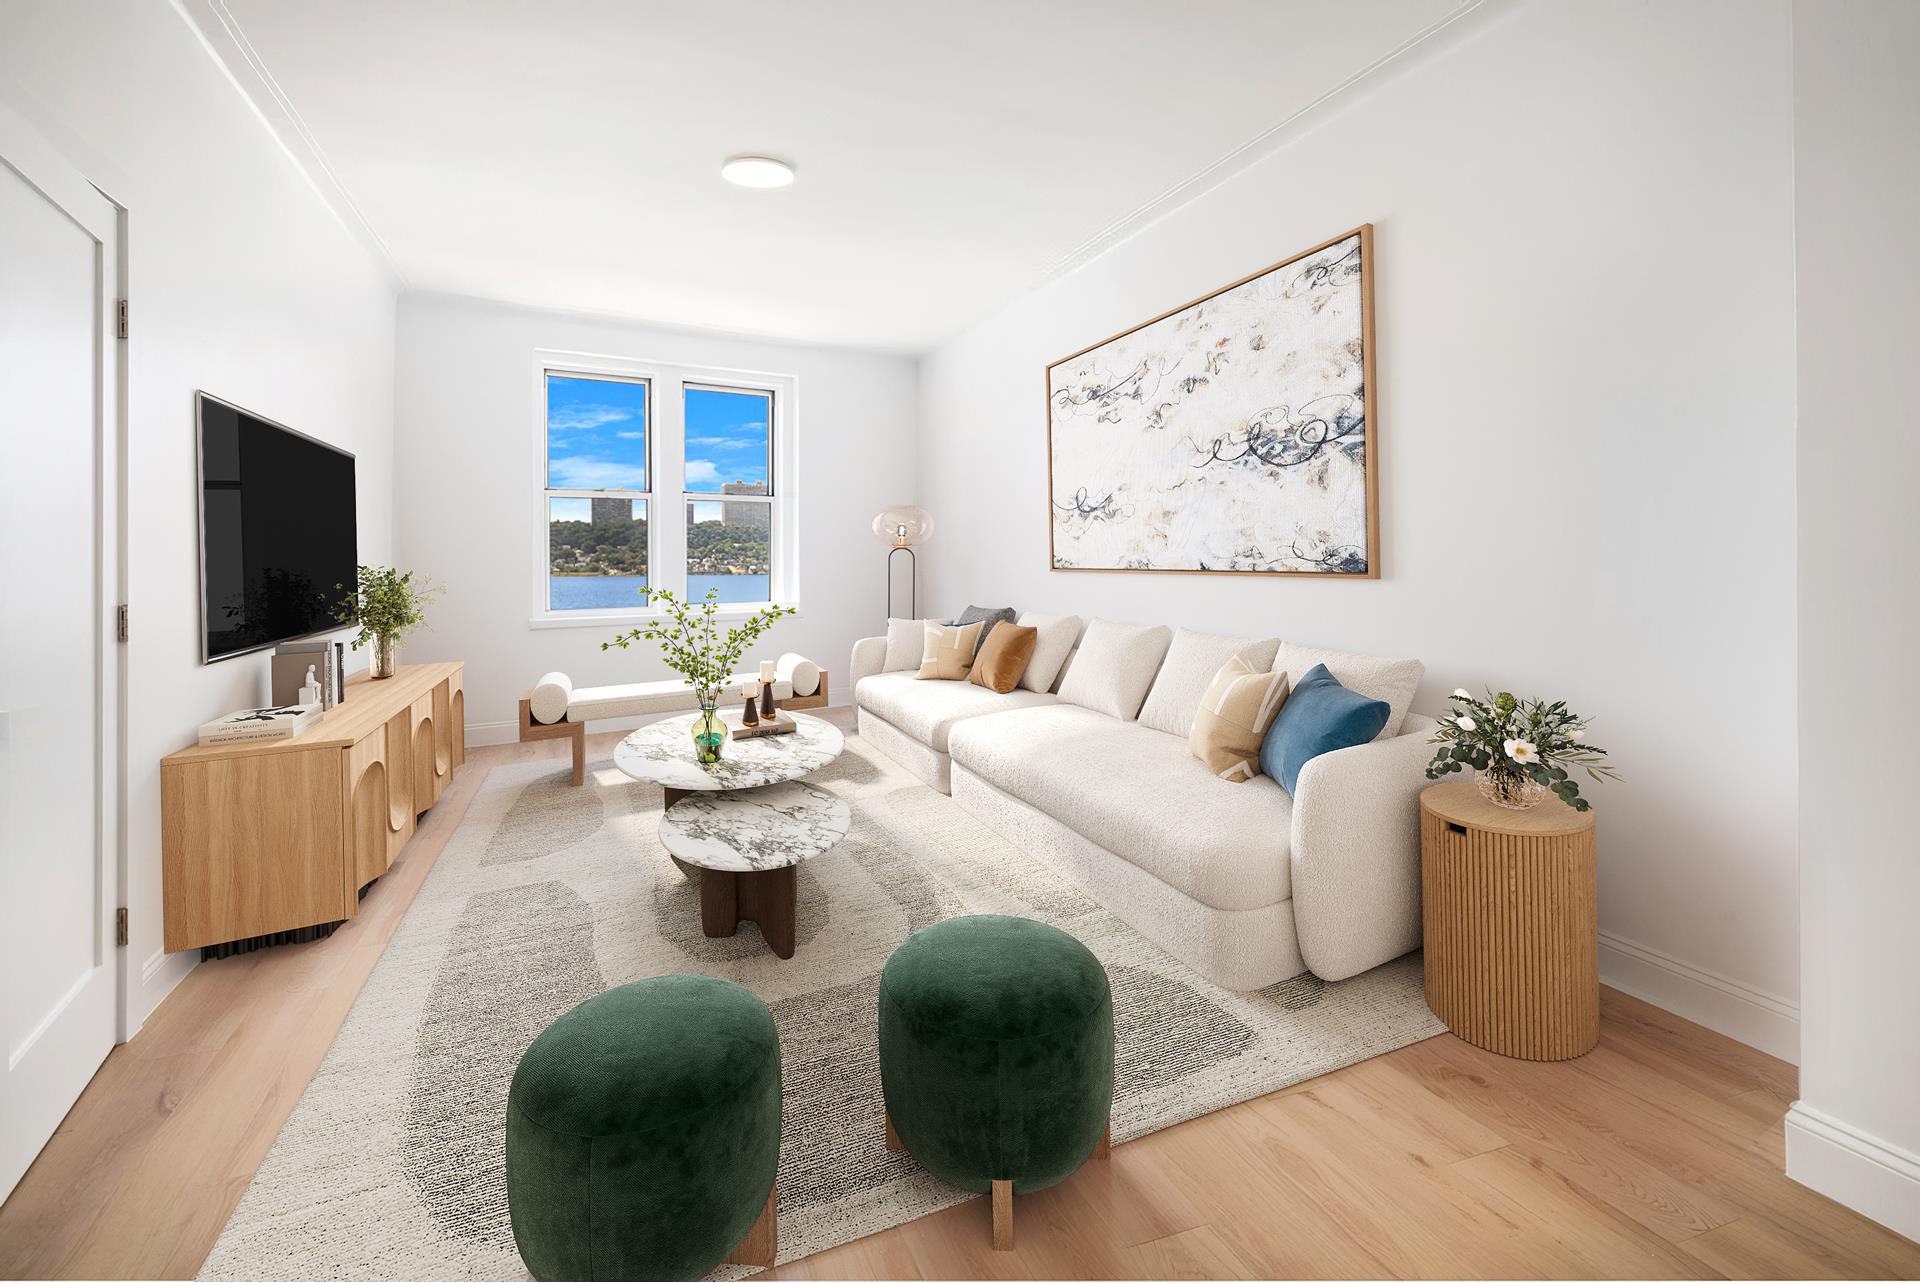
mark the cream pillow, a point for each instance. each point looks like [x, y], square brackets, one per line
[1058, 633]
[1192, 663]
[1392, 680]
[947, 655]
[1115, 666]
[906, 644]
[1232, 718]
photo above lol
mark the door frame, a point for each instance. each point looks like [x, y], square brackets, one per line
[26, 151]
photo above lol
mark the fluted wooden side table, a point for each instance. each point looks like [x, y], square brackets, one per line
[1512, 936]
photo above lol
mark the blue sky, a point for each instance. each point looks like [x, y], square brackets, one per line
[596, 438]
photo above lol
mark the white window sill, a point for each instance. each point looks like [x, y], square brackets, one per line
[729, 612]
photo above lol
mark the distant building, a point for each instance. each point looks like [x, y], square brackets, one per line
[609, 510]
[746, 514]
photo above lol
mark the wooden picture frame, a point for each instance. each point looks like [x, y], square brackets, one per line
[1179, 431]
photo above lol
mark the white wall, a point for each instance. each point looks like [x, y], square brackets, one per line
[1584, 300]
[468, 490]
[242, 283]
[1855, 1132]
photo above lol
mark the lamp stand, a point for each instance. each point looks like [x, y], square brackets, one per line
[913, 582]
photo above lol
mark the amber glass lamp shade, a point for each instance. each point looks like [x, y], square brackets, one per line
[903, 526]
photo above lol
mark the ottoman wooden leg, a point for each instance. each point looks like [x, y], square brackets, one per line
[1003, 1216]
[893, 1137]
[763, 1239]
[1105, 1148]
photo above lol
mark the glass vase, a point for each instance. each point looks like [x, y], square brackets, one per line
[1510, 790]
[709, 731]
[382, 663]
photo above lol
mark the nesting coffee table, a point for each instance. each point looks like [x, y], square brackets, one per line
[742, 825]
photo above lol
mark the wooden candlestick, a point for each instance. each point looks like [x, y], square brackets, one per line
[749, 715]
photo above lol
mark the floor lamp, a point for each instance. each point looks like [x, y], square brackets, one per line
[901, 527]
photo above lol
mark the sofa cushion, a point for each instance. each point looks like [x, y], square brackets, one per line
[906, 643]
[1392, 680]
[1058, 633]
[1003, 657]
[1192, 662]
[1114, 667]
[987, 617]
[1320, 716]
[1233, 717]
[948, 656]
[928, 710]
[1140, 794]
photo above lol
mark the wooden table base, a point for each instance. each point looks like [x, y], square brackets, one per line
[765, 897]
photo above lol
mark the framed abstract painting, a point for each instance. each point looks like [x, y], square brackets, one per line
[1232, 435]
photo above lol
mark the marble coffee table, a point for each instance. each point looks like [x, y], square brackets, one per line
[747, 846]
[741, 825]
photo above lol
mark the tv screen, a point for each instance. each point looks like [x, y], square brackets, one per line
[276, 531]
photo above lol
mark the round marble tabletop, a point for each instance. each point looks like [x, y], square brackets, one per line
[663, 753]
[752, 830]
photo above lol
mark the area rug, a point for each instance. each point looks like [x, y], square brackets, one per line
[391, 1166]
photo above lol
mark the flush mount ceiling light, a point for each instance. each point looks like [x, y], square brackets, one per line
[756, 171]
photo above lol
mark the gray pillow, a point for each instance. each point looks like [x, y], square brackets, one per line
[983, 615]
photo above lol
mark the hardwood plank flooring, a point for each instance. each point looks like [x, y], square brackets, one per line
[1657, 1155]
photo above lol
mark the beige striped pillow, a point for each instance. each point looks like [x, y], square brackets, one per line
[1233, 718]
[948, 653]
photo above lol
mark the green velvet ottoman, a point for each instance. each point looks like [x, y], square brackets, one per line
[643, 1133]
[996, 1056]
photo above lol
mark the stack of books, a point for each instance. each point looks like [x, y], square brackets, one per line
[250, 725]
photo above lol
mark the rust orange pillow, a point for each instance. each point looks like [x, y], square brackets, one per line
[1003, 657]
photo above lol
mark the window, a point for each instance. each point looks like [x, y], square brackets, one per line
[659, 477]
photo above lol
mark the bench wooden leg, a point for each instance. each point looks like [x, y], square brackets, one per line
[762, 1242]
[1105, 1148]
[579, 753]
[1003, 1216]
[893, 1137]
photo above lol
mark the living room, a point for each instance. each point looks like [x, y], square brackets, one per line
[1088, 642]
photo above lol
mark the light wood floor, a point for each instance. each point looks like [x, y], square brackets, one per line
[1656, 1155]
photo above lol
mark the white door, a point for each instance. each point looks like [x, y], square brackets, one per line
[59, 659]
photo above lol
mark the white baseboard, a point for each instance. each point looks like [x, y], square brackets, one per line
[1759, 1019]
[1874, 1177]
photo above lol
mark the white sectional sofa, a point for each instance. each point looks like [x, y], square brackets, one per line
[1241, 881]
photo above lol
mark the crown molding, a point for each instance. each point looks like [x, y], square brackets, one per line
[233, 53]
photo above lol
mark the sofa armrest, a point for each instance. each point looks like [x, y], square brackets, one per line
[1356, 852]
[869, 657]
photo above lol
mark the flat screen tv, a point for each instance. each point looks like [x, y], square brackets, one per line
[276, 531]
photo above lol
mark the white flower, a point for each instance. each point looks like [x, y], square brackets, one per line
[1466, 723]
[1522, 752]
[1576, 735]
[1461, 693]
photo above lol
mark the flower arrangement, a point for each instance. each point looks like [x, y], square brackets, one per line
[692, 645]
[1521, 748]
[385, 604]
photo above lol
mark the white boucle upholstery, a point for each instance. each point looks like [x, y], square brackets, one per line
[637, 699]
[928, 710]
[1113, 667]
[906, 644]
[929, 764]
[1056, 636]
[1141, 795]
[1393, 680]
[547, 701]
[869, 657]
[1241, 950]
[1189, 668]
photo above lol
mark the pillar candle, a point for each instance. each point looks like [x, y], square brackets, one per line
[766, 671]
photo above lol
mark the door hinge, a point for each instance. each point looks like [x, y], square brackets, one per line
[123, 318]
[123, 623]
[120, 928]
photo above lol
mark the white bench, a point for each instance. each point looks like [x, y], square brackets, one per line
[556, 709]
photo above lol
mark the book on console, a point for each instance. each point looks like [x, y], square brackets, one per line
[247, 725]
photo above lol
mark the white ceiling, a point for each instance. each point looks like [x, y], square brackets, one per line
[950, 156]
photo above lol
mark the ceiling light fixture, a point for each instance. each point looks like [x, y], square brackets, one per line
[757, 171]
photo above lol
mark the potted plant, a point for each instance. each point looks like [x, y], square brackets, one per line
[1521, 749]
[386, 605]
[693, 646]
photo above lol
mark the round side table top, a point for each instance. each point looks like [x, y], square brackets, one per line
[1462, 802]
[755, 829]
[663, 753]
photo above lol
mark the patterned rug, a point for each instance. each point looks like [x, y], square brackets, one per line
[391, 1166]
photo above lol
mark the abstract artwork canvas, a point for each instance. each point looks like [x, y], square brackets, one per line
[1230, 435]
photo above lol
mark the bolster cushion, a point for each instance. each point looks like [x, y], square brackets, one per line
[548, 703]
[799, 672]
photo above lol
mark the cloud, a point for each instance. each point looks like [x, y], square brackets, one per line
[702, 475]
[573, 418]
[583, 472]
[631, 436]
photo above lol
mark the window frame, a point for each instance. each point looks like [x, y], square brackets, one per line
[668, 495]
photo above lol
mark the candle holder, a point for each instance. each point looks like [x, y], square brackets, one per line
[749, 715]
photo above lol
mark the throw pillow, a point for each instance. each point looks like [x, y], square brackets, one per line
[1003, 657]
[1320, 716]
[1058, 633]
[1192, 663]
[948, 652]
[986, 615]
[1115, 666]
[1233, 715]
[906, 644]
[1392, 680]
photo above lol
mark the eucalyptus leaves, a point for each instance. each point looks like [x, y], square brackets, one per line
[1522, 749]
[385, 604]
[691, 643]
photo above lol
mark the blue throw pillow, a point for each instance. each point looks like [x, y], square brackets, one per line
[1320, 716]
